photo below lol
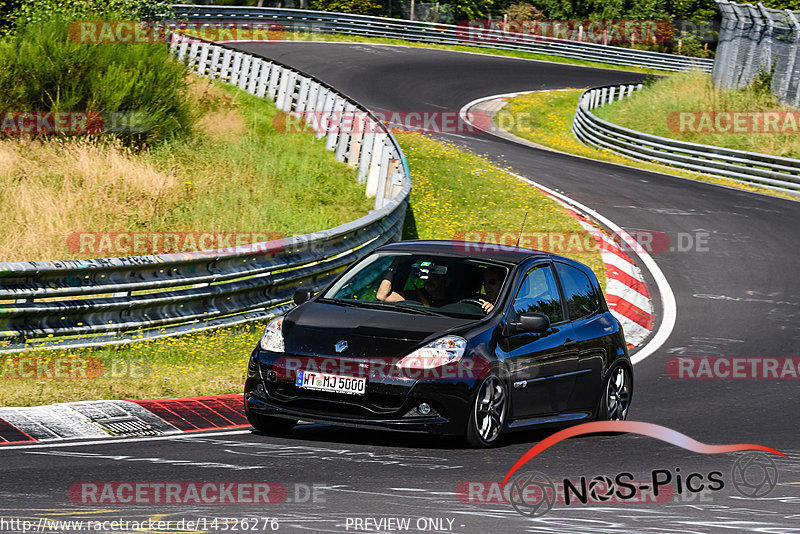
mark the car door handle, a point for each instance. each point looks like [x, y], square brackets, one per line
[569, 343]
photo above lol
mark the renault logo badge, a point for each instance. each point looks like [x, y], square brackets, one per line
[341, 346]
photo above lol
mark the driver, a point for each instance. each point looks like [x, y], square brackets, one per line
[492, 282]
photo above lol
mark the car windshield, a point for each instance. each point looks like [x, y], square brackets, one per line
[418, 283]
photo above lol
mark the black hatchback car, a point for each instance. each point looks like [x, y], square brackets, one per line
[447, 337]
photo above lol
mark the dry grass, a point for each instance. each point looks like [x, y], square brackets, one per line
[51, 189]
[237, 173]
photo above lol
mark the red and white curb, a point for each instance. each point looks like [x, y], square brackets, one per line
[626, 291]
[120, 418]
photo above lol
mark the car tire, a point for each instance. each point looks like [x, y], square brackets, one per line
[615, 400]
[271, 426]
[487, 417]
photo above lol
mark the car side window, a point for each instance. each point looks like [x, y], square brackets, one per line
[538, 293]
[582, 300]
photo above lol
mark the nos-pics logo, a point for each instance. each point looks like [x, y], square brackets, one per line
[533, 493]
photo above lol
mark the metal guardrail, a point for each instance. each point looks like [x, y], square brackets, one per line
[427, 32]
[773, 172]
[118, 300]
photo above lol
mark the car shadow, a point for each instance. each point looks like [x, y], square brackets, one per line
[321, 433]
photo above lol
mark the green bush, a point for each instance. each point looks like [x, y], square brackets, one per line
[22, 13]
[41, 69]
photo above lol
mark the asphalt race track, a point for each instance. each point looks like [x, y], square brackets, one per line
[737, 296]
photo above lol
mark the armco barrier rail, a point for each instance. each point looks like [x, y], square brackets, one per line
[116, 300]
[427, 32]
[769, 171]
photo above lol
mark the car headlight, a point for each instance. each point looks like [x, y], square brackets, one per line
[272, 338]
[444, 350]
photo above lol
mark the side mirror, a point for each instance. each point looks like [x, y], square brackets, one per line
[531, 322]
[302, 295]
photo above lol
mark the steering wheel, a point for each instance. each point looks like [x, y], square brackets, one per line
[474, 302]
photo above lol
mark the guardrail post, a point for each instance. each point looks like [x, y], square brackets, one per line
[346, 125]
[244, 73]
[263, 79]
[336, 118]
[193, 50]
[324, 117]
[274, 79]
[205, 48]
[282, 88]
[291, 92]
[224, 71]
[236, 69]
[373, 177]
[311, 100]
[302, 95]
[359, 120]
[255, 67]
[174, 43]
[213, 68]
[384, 173]
[182, 49]
[365, 156]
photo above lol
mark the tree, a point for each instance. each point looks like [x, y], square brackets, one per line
[358, 7]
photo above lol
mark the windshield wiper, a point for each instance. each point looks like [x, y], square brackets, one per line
[384, 306]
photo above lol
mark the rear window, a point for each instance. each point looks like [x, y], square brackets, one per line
[582, 300]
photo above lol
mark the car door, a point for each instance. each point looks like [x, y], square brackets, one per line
[541, 365]
[590, 328]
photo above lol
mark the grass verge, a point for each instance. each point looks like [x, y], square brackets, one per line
[454, 192]
[237, 173]
[546, 117]
[656, 110]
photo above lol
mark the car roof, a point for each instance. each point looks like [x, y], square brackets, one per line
[469, 249]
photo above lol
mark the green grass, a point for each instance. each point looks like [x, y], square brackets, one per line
[454, 192]
[656, 110]
[204, 363]
[545, 118]
[260, 178]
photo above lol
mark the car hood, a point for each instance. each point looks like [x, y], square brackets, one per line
[314, 329]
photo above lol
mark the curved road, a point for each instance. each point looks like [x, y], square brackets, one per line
[737, 296]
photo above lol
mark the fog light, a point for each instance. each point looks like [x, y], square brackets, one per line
[424, 408]
[260, 389]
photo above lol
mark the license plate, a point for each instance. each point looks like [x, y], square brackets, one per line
[335, 383]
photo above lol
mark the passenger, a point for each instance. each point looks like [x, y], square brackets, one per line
[385, 291]
[434, 290]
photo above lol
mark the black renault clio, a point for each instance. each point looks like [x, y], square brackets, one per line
[447, 337]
